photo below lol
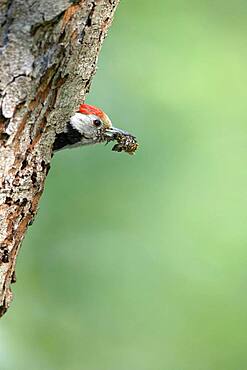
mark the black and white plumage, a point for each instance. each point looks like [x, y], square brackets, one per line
[88, 126]
[69, 137]
[91, 126]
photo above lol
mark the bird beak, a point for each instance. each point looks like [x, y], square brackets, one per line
[111, 132]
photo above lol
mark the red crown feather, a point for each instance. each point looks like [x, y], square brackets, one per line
[90, 109]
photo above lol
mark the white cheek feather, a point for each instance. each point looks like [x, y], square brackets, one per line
[79, 121]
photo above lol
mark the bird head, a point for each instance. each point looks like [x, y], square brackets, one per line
[93, 124]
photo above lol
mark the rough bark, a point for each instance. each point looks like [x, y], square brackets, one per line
[48, 55]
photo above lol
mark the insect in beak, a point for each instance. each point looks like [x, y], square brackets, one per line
[125, 141]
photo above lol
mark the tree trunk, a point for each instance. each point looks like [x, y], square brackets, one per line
[48, 55]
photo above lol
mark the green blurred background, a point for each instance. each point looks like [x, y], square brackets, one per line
[140, 263]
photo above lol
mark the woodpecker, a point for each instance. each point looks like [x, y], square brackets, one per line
[90, 125]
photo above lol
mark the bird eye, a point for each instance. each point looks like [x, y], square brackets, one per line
[97, 123]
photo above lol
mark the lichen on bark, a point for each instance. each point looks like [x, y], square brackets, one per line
[48, 56]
